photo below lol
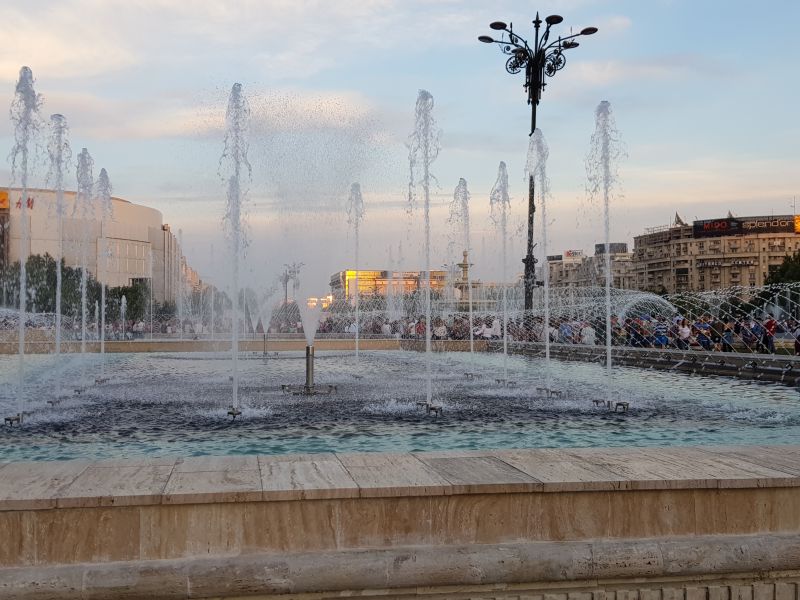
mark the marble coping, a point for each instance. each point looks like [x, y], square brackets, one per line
[219, 479]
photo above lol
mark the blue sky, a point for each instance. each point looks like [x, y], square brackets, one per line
[704, 93]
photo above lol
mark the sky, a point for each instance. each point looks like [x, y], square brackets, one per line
[704, 95]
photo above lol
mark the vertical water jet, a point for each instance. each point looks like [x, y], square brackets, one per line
[536, 167]
[423, 150]
[355, 214]
[234, 167]
[26, 121]
[60, 154]
[103, 194]
[500, 203]
[459, 214]
[605, 150]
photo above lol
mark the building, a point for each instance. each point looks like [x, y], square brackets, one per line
[133, 244]
[713, 253]
[574, 269]
[383, 283]
[564, 268]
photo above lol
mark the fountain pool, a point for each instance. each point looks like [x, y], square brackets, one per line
[175, 404]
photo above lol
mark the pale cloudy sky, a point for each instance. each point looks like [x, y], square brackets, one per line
[704, 93]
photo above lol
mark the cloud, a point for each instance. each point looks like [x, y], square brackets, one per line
[614, 24]
[608, 72]
[60, 42]
[108, 118]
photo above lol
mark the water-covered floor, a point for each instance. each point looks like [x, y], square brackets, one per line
[176, 404]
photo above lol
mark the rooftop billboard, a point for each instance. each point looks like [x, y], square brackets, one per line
[744, 225]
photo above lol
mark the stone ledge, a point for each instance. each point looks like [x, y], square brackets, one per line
[203, 480]
[422, 570]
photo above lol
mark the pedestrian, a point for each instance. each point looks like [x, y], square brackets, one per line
[728, 336]
[770, 326]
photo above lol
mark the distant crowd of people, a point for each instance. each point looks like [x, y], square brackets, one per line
[643, 331]
[706, 332]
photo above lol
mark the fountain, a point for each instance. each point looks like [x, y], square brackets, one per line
[423, 150]
[84, 211]
[500, 202]
[309, 314]
[26, 121]
[60, 155]
[232, 162]
[536, 168]
[355, 214]
[368, 411]
[459, 214]
[181, 303]
[150, 288]
[106, 206]
[601, 171]
[123, 307]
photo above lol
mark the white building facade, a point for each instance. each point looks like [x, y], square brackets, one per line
[119, 248]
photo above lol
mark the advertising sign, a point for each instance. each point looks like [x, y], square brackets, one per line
[3, 200]
[716, 227]
[738, 226]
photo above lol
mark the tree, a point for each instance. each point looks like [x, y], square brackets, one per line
[41, 286]
[137, 301]
[787, 272]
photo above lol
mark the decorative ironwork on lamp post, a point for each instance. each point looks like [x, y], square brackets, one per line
[543, 59]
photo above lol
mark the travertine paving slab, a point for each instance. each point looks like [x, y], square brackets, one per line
[119, 486]
[471, 474]
[644, 470]
[43, 485]
[142, 461]
[783, 458]
[559, 471]
[27, 485]
[305, 476]
[216, 463]
[380, 474]
[213, 486]
[728, 471]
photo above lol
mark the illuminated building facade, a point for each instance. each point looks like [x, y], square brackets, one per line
[383, 283]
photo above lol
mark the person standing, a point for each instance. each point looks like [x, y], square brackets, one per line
[727, 336]
[770, 326]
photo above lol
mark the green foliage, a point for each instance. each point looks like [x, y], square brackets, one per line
[41, 287]
[787, 272]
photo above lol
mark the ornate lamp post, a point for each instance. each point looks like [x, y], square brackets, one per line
[544, 58]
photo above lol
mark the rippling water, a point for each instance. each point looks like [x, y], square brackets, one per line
[176, 404]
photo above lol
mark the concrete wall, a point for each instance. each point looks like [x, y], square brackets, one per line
[660, 524]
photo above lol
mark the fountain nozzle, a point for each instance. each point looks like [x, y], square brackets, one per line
[308, 388]
[309, 368]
